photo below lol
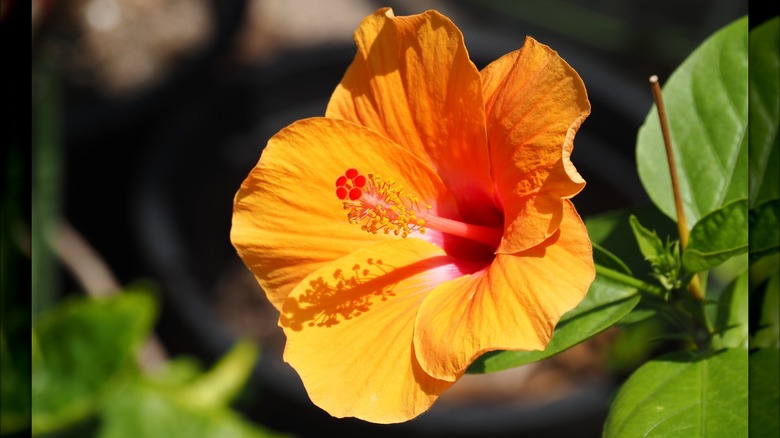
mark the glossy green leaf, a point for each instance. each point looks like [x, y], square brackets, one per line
[706, 101]
[764, 112]
[681, 395]
[717, 237]
[764, 225]
[731, 321]
[764, 396]
[606, 303]
[80, 349]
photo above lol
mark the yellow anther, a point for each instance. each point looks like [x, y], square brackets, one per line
[384, 206]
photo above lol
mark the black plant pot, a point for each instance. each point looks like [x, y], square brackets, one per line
[182, 202]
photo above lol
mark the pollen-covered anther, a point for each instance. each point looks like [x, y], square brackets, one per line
[378, 205]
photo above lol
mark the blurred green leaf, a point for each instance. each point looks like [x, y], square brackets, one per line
[731, 321]
[706, 102]
[764, 154]
[764, 225]
[635, 342]
[80, 351]
[682, 395]
[764, 387]
[606, 303]
[176, 407]
[178, 372]
[145, 410]
[718, 236]
[226, 379]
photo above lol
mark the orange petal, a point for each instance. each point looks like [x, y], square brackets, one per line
[535, 103]
[287, 220]
[350, 326]
[512, 305]
[412, 80]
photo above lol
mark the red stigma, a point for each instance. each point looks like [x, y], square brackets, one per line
[355, 194]
[350, 185]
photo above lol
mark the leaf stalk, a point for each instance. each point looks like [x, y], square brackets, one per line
[694, 287]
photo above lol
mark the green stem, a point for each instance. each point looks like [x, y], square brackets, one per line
[629, 280]
[655, 296]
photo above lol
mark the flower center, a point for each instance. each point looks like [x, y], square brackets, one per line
[382, 205]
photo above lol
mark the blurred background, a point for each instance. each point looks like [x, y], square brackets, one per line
[147, 115]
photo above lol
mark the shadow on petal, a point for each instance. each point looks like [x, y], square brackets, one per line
[347, 294]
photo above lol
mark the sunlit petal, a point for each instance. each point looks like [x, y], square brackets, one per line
[349, 329]
[412, 81]
[287, 220]
[535, 103]
[512, 305]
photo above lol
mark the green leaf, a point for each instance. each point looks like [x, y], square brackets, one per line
[634, 343]
[682, 395]
[226, 379]
[764, 155]
[764, 224]
[717, 237]
[174, 404]
[706, 101]
[650, 245]
[764, 396]
[663, 258]
[80, 349]
[731, 322]
[612, 231]
[604, 258]
[606, 303]
[149, 411]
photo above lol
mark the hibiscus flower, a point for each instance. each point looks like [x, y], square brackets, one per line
[424, 221]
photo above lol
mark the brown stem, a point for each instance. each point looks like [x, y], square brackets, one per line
[96, 278]
[694, 287]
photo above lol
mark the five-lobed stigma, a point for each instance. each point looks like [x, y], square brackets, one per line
[378, 205]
